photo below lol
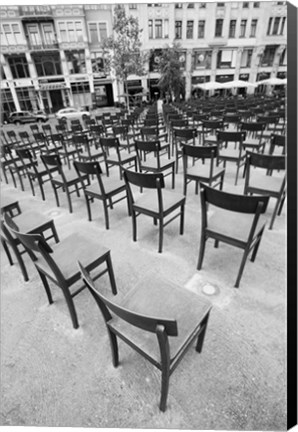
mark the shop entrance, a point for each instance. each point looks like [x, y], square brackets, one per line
[56, 99]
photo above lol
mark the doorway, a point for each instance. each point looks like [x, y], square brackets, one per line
[56, 99]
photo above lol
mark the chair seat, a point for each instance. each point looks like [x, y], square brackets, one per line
[259, 180]
[231, 153]
[149, 200]
[68, 252]
[222, 221]
[157, 299]
[151, 162]
[31, 221]
[70, 176]
[110, 185]
[210, 139]
[253, 143]
[203, 170]
[125, 157]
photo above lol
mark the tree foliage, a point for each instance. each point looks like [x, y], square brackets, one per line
[122, 50]
[171, 80]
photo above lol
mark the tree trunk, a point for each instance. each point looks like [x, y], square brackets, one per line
[126, 92]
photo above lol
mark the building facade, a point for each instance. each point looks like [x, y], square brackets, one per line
[51, 55]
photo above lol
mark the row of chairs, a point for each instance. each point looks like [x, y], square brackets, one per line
[161, 310]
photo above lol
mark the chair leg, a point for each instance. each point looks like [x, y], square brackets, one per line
[56, 196]
[201, 336]
[40, 182]
[71, 307]
[7, 251]
[134, 226]
[31, 185]
[20, 261]
[256, 247]
[243, 261]
[160, 235]
[111, 274]
[182, 220]
[275, 211]
[106, 213]
[202, 251]
[88, 207]
[46, 286]
[114, 347]
[69, 199]
[165, 368]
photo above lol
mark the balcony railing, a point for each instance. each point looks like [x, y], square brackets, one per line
[43, 46]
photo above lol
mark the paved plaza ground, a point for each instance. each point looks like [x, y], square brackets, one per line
[53, 375]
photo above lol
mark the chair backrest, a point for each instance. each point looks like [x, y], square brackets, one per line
[179, 123]
[231, 118]
[90, 169]
[270, 162]
[47, 129]
[279, 140]
[109, 142]
[149, 130]
[224, 136]
[40, 137]
[35, 243]
[268, 119]
[189, 133]
[53, 160]
[233, 202]
[253, 126]
[146, 180]
[147, 146]
[200, 152]
[24, 137]
[24, 153]
[12, 136]
[97, 130]
[212, 124]
[120, 130]
[143, 322]
[34, 128]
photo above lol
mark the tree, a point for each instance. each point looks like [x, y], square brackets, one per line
[122, 51]
[171, 80]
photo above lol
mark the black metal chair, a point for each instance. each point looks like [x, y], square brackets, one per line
[155, 202]
[103, 189]
[58, 263]
[265, 175]
[157, 319]
[246, 233]
[204, 167]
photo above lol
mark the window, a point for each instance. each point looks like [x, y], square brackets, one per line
[158, 28]
[18, 66]
[189, 30]
[232, 29]
[71, 31]
[226, 59]
[245, 4]
[7, 103]
[47, 65]
[269, 26]
[218, 27]
[178, 5]
[220, 5]
[97, 63]
[246, 58]
[166, 29]
[202, 59]
[253, 27]
[34, 34]
[190, 6]
[48, 33]
[76, 61]
[81, 94]
[201, 29]
[132, 6]
[27, 98]
[276, 26]
[283, 58]
[268, 56]
[243, 28]
[97, 32]
[256, 4]
[178, 29]
[282, 26]
[150, 29]
[202, 5]
[10, 34]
